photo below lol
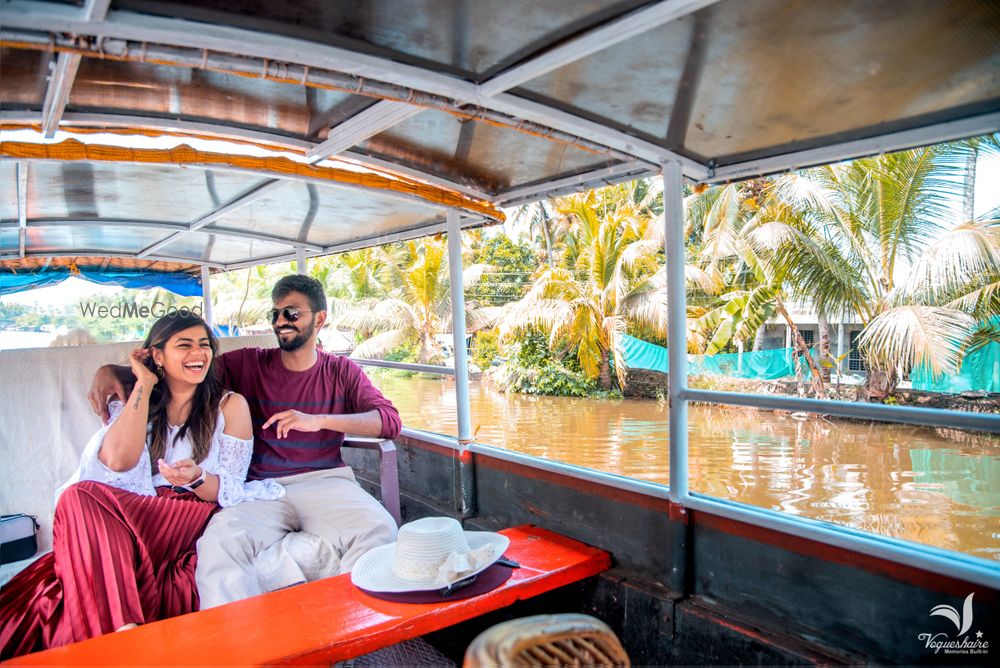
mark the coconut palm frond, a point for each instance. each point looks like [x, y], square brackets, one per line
[646, 308]
[484, 318]
[530, 315]
[373, 316]
[985, 334]
[980, 301]
[236, 311]
[961, 254]
[337, 306]
[474, 273]
[903, 337]
[640, 255]
[382, 344]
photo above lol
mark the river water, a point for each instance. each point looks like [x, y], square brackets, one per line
[937, 487]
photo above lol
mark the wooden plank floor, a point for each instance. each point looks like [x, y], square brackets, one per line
[329, 620]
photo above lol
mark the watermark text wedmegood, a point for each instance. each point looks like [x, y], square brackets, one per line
[134, 310]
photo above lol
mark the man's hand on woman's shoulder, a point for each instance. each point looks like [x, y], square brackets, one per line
[110, 381]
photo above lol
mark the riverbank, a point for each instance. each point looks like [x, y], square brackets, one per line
[643, 383]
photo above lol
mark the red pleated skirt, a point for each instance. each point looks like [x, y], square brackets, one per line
[117, 558]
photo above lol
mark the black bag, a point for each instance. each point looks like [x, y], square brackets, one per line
[18, 537]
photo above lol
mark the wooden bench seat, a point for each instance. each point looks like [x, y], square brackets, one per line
[330, 620]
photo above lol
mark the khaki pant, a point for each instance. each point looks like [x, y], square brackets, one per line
[327, 503]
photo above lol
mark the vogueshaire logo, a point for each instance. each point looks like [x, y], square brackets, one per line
[962, 642]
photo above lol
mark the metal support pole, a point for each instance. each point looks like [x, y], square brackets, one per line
[840, 346]
[739, 358]
[680, 529]
[465, 492]
[673, 214]
[206, 295]
[300, 260]
[458, 327]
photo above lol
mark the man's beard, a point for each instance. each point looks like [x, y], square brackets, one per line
[297, 341]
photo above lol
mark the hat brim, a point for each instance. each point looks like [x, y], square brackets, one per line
[373, 571]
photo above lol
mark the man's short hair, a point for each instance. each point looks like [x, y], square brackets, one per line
[306, 285]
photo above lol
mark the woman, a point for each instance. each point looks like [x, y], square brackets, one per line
[126, 524]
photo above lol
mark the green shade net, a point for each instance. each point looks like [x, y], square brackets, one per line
[980, 370]
[757, 365]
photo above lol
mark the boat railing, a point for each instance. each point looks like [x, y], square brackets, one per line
[423, 368]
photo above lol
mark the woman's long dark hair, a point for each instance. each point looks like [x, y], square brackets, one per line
[205, 403]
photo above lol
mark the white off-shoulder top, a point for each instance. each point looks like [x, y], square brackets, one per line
[228, 457]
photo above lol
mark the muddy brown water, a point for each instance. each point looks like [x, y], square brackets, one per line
[937, 487]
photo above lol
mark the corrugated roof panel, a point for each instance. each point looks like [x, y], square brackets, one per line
[329, 215]
[109, 238]
[633, 84]
[8, 191]
[200, 247]
[756, 78]
[23, 78]
[195, 94]
[788, 75]
[84, 190]
[473, 39]
[9, 239]
[486, 156]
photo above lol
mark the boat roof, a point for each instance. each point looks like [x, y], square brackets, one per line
[319, 126]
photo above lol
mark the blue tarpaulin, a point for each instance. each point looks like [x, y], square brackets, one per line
[758, 365]
[180, 283]
[980, 371]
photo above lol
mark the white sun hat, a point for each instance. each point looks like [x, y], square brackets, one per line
[429, 553]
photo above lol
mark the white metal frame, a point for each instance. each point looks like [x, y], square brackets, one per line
[174, 228]
[459, 353]
[112, 120]
[64, 73]
[593, 41]
[978, 571]
[596, 178]
[26, 14]
[896, 141]
[22, 206]
[120, 24]
[124, 25]
[379, 117]
[256, 193]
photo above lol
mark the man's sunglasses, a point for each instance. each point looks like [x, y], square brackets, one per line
[290, 314]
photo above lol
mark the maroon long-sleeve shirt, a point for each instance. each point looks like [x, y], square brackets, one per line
[334, 385]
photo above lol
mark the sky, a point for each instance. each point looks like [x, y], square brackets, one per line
[73, 289]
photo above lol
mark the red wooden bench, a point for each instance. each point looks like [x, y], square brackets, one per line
[330, 620]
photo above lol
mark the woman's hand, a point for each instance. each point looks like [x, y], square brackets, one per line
[137, 358]
[179, 473]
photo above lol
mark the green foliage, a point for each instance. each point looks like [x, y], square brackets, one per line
[513, 264]
[551, 379]
[408, 352]
[535, 369]
[533, 351]
[485, 348]
[9, 313]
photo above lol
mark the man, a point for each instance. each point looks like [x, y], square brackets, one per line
[302, 401]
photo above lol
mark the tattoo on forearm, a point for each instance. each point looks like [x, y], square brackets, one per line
[138, 398]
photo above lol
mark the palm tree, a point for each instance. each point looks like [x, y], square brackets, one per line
[613, 241]
[539, 224]
[739, 245]
[418, 310]
[867, 224]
